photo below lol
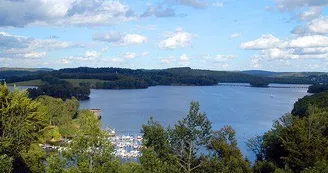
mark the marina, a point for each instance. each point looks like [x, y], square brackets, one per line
[126, 147]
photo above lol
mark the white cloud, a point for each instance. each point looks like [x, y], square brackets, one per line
[309, 41]
[104, 49]
[145, 53]
[255, 62]
[147, 27]
[134, 39]
[88, 56]
[264, 42]
[112, 36]
[159, 11]
[27, 47]
[34, 55]
[130, 55]
[92, 54]
[168, 60]
[120, 39]
[176, 40]
[116, 60]
[184, 58]
[302, 47]
[218, 4]
[191, 3]
[313, 13]
[293, 4]
[64, 61]
[235, 35]
[224, 58]
[319, 25]
[300, 30]
[269, 41]
[19, 13]
[316, 26]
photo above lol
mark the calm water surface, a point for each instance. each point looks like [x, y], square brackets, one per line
[250, 111]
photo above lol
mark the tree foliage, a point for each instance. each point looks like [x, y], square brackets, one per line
[317, 88]
[90, 150]
[21, 124]
[191, 146]
[297, 142]
[57, 88]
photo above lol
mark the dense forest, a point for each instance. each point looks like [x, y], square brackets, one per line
[9, 72]
[317, 88]
[296, 143]
[121, 78]
[58, 88]
[260, 84]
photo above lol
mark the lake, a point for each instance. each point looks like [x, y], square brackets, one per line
[250, 111]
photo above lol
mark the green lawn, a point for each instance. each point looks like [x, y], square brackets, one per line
[38, 82]
[28, 83]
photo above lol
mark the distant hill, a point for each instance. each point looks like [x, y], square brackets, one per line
[263, 73]
[24, 69]
[6, 72]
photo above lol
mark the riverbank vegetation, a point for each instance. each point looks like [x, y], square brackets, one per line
[259, 84]
[121, 78]
[317, 88]
[297, 142]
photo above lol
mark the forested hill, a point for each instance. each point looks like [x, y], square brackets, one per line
[122, 78]
[263, 73]
[6, 72]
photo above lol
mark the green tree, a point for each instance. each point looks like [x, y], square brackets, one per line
[306, 141]
[34, 157]
[72, 107]
[21, 124]
[90, 149]
[319, 167]
[188, 136]
[6, 165]
[156, 144]
[223, 146]
[61, 114]
[152, 163]
[55, 164]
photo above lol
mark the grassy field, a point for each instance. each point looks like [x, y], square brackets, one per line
[28, 83]
[75, 82]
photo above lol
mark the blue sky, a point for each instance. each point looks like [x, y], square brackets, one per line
[278, 35]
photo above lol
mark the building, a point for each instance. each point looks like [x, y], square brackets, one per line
[97, 112]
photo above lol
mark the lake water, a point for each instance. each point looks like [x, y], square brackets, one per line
[250, 111]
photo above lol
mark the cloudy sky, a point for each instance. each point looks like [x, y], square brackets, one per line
[279, 35]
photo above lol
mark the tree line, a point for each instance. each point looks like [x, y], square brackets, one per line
[122, 78]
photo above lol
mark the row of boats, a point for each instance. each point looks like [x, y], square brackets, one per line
[125, 146]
